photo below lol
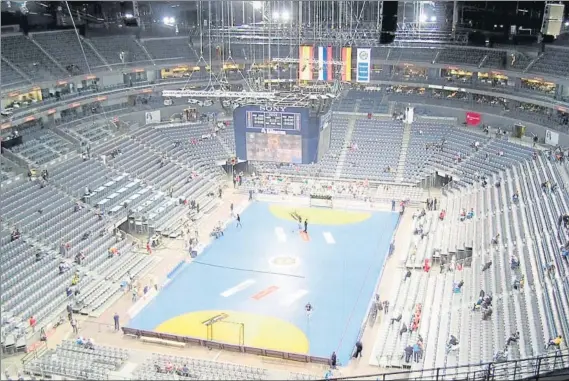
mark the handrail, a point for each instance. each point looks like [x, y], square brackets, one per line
[41, 348]
[523, 369]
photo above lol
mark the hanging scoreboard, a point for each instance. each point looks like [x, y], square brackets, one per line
[277, 134]
[273, 120]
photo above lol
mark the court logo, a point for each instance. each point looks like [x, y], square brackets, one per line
[364, 55]
[284, 261]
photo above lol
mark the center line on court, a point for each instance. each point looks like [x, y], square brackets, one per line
[281, 236]
[329, 238]
[240, 287]
[291, 298]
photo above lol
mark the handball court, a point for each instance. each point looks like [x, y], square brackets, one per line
[251, 286]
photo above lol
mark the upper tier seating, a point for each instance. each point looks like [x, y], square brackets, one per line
[70, 50]
[29, 58]
[171, 48]
[470, 57]
[111, 47]
[10, 77]
[553, 62]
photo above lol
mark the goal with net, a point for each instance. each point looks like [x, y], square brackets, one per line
[321, 200]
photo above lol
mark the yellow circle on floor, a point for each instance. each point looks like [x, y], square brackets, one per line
[319, 216]
[239, 328]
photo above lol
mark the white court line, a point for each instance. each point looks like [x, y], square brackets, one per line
[240, 287]
[291, 298]
[329, 238]
[281, 236]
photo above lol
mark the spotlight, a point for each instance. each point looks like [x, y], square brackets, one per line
[128, 16]
[566, 23]
[276, 15]
[285, 16]
[433, 18]
[257, 4]
[422, 18]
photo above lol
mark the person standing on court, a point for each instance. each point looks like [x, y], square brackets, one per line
[73, 323]
[231, 208]
[239, 221]
[306, 226]
[333, 361]
[359, 348]
[116, 319]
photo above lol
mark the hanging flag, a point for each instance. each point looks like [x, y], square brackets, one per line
[347, 68]
[329, 74]
[321, 60]
[363, 65]
[306, 56]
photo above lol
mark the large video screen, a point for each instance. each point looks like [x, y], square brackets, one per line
[279, 148]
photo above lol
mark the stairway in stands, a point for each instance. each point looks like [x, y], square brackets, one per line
[344, 153]
[403, 153]
[223, 141]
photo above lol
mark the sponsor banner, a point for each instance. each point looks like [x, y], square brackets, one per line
[473, 118]
[551, 138]
[363, 65]
[347, 68]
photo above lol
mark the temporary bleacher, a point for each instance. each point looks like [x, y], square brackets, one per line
[79, 362]
[43, 148]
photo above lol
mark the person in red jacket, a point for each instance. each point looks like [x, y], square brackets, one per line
[33, 322]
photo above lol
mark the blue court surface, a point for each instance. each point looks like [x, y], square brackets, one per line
[257, 279]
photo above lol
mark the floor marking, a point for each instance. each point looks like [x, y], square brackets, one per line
[141, 302]
[240, 287]
[329, 238]
[265, 292]
[291, 298]
[281, 236]
[249, 270]
[305, 236]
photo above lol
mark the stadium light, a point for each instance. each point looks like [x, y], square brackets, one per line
[423, 18]
[276, 15]
[257, 4]
[169, 20]
[433, 18]
[128, 16]
[285, 16]
[566, 23]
